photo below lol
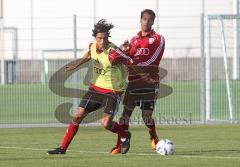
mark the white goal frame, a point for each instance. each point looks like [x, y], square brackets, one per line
[220, 19]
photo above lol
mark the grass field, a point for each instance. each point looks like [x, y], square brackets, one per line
[196, 146]
[35, 103]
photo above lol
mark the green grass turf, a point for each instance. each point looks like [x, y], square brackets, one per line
[196, 145]
[35, 103]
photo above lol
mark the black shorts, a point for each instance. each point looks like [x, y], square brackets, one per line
[94, 100]
[140, 95]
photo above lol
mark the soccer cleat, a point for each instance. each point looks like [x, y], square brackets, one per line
[126, 144]
[58, 150]
[116, 150]
[154, 142]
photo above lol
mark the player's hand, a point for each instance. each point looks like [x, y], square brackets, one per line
[147, 78]
[70, 67]
[125, 47]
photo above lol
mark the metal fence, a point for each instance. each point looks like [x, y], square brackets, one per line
[30, 60]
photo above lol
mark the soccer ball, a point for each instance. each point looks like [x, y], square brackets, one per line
[165, 147]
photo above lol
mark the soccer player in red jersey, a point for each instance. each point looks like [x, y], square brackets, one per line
[146, 49]
[108, 83]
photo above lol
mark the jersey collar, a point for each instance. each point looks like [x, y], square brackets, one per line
[148, 34]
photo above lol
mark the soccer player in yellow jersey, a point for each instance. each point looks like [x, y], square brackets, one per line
[108, 83]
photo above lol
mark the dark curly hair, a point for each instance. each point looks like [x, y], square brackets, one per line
[102, 26]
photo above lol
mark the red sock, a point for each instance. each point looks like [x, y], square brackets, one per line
[152, 130]
[125, 126]
[116, 128]
[70, 133]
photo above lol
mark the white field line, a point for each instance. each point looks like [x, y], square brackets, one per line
[136, 153]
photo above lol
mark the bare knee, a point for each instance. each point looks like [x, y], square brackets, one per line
[106, 122]
[79, 115]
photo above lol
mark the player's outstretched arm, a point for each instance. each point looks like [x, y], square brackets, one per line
[72, 66]
[117, 56]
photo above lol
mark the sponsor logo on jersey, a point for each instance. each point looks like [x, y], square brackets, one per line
[142, 51]
[99, 70]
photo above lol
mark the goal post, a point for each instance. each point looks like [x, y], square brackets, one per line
[220, 36]
[54, 55]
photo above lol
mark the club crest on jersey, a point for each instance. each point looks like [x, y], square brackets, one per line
[151, 40]
[142, 51]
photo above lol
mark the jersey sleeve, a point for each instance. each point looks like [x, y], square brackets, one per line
[116, 56]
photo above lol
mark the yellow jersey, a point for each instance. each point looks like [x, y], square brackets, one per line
[105, 74]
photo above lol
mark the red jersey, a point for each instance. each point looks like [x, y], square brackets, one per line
[146, 52]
